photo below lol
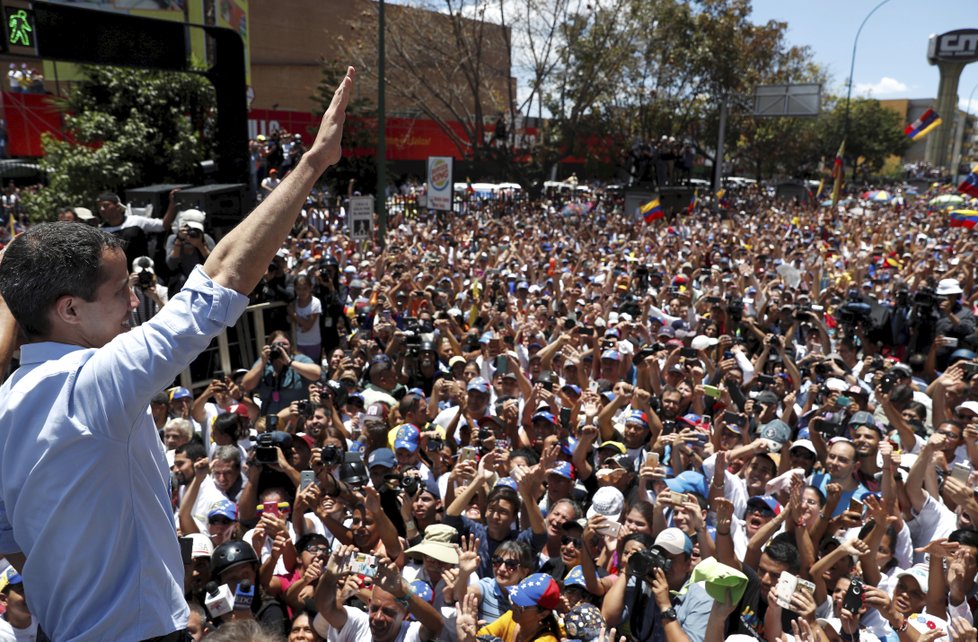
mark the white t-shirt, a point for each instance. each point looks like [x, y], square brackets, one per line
[312, 337]
[357, 628]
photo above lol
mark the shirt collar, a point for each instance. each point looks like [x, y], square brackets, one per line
[35, 353]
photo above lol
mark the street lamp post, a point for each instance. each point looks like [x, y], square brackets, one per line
[852, 66]
[381, 203]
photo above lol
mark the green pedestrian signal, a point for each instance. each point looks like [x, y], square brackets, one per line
[21, 36]
[19, 29]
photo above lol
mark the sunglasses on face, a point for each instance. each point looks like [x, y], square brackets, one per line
[223, 521]
[511, 564]
[567, 540]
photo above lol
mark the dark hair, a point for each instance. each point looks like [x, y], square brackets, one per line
[644, 539]
[192, 449]
[646, 509]
[818, 493]
[47, 262]
[528, 454]
[309, 539]
[111, 197]
[965, 536]
[520, 550]
[408, 402]
[784, 552]
[506, 494]
[227, 423]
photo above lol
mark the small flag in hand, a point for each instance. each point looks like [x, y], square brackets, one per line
[652, 211]
[692, 204]
[923, 125]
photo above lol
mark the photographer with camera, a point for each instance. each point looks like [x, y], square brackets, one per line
[187, 248]
[639, 603]
[281, 375]
[151, 294]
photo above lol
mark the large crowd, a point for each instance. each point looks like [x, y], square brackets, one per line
[752, 420]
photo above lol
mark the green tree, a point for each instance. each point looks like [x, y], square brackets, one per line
[874, 134]
[125, 127]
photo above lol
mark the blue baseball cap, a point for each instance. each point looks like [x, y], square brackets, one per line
[575, 577]
[180, 393]
[10, 576]
[407, 437]
[486, 337]
[564, 469]
[223, 508]
[611, 355]
[382, 457]
[571, 388]
[544, 415]
[539, 589]
[478, 384]
[637, 416]
[766, 503]
[423, 590]
[688, 481]
[506, 482]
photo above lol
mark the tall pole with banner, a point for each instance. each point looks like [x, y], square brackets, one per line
[950, 51]
[440, 188]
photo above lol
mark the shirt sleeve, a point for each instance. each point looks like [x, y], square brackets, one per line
[121, 377]
[693, 612]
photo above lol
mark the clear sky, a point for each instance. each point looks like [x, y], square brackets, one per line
[891, 57]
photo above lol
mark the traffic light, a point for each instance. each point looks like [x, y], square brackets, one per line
[19, 30]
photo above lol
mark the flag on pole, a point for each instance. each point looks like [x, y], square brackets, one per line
[923, 125]
[652, 211]
[970, 184]
[838, 170]
[818, 192]
[692, 203]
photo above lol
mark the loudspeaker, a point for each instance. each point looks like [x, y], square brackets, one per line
[224, 204]
[157, 196]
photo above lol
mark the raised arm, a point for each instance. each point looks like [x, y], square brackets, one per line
[239, 260]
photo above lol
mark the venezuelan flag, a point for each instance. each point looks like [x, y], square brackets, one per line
[964, 218]
[970, 184]
[692, 203]
[838, 173]
[652, 211]
[923, 125]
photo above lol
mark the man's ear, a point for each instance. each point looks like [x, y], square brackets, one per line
[66, 310]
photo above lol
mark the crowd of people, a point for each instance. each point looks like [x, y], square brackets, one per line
[753, 421]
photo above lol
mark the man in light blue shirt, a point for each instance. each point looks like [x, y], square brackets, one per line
[84, 484]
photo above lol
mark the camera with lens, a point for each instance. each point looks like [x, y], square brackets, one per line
[302, 407]
[410, 485]
[435, 445]
[643, 562]
[331, 455]
[277, 352]
[145, 279]
[925, 298]
[735, 308]
[821, 369]
[266, 451]
[194, 233]
[337, 392]
[853, 313]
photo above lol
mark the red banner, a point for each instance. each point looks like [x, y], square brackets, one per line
[28, 116]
